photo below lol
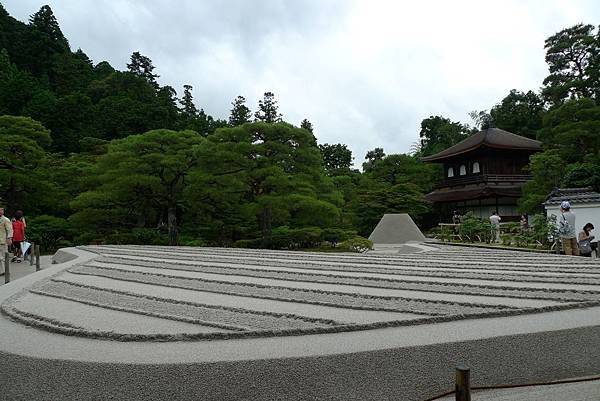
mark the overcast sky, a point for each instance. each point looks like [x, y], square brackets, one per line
[365, 73]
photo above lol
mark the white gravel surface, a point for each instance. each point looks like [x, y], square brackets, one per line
[157, 323]
[270, 292]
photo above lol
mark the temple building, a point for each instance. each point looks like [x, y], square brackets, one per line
[483, 173]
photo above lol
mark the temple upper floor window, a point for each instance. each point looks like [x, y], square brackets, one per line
[463, 170]
[450, 172]
[476, 168]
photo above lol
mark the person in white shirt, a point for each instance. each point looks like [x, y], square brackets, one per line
[566, 229]
[495, 221]
[6, 233]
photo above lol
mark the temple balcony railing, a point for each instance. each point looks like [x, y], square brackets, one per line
[485, 178]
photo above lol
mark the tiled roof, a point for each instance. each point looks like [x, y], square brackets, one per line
[491, 137]
[488, 191]
[574, 195]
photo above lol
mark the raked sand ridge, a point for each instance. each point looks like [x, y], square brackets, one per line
[174, 305]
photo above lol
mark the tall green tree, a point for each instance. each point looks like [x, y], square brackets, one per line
[438, 133]
[268, 109]
[71, 72]
[193, 119]
[307, 125]
[44, 42]
[102, 70]
[520, 113]
[280, 168]
[548, 169]
[573, 58]
[402, 168]
[372, 157]
[188, 108]
[240, 113]
[22, 156]
[141, 176]
[141, 66]
[166, 106]
[337, 158]
[482, 119]
[69, 124]
[573, 129]
[125, 104]
[583, 174]
[17, 87]
[13, 36]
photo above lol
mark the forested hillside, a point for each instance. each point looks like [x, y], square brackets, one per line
[93, 154]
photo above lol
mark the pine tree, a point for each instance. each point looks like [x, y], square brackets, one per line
[142, 66]
[43, 42]
[187, 102]
[45, 23]
[240, 114]
[268, 109]
[573, 55]
[307, 125]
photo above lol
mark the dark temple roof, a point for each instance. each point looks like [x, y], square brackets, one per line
[463, 194]
[573, 195]
[491, 138]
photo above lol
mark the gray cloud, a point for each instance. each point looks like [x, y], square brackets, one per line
[364, 72]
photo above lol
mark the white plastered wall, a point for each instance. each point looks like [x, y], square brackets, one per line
[584, 213]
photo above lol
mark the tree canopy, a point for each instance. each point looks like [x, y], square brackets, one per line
[438, 133]
[94, 154]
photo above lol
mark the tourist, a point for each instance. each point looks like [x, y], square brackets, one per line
[524, 223]
[586, 246]
[6, 234]
[566, 229]
[456, 217]
[18, 226]
[495, 222]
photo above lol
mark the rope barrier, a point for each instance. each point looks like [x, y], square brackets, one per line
[505, 386]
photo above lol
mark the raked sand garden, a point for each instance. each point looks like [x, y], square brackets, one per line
[259, 324]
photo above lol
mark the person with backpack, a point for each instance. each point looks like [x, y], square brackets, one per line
[566, 229]
[586, 246]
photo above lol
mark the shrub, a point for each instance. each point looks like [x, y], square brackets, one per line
[186, 240]
[282, 238]
[357, 244]
[337, 235]
[149, 236]
[47, 231]
[120, 238]
[543, 230]
[473, 228]
[248, 243]
[307, 237]
[89, 238]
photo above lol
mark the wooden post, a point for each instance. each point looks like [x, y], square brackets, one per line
[463, 383]
[37, 258]
[6, 267]
[31, 252]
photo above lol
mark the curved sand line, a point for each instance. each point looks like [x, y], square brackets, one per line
[61, 361]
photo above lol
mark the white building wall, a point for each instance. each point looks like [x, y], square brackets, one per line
[584, 213]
